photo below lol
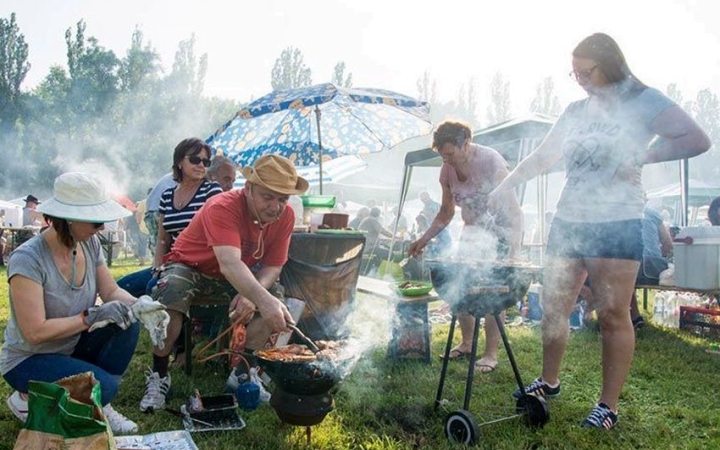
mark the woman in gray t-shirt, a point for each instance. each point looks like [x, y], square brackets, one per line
[605, 139]
[55, 329]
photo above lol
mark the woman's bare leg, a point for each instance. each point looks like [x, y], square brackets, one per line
[613, 282]
[562, 280]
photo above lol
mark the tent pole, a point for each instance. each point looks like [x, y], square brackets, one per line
[317, 119]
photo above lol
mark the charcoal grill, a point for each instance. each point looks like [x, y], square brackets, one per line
[303, 390]
[480, 288]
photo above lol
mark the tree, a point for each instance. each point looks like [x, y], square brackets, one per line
[499, 108]
[290, 71]
[93, 71]
[427, 88]
[141, 64]
[14, 66]
[545, 101]
[467, 104]
[188, 73]
[706, 112]
[339, 78]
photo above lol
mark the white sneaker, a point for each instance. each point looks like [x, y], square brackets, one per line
[119, 424]
[156, 389]
[18, 405]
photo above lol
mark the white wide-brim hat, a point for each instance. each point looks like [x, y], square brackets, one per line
[82, 197]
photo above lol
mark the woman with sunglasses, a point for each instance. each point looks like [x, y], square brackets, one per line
[605, 140]
[179, 204]
[55, 330]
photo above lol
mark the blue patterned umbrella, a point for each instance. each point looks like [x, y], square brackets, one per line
[314, 124]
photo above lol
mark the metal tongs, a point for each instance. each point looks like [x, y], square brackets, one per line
[302, 336]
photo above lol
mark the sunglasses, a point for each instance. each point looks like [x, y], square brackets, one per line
[194, 159]
[97, 224]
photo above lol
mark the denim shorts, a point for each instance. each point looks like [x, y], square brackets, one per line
[613, 240]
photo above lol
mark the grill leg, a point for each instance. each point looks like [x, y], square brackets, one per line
[511, 357]
[471, 365]
[443, 371]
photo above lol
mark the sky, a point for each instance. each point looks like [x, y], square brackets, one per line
[390, 43]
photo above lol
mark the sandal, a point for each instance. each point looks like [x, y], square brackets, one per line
[485, 367]
[455, 354]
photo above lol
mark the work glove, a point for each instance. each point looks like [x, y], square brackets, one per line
[111, 312]
[153, 316]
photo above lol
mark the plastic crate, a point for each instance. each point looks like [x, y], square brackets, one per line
[318, 201]
[701, 321]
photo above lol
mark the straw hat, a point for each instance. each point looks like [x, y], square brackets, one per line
[81, 196]
[277, 174]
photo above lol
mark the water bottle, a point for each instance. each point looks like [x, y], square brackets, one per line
[576, 316]
[669, 310]
[534, 296]
[659, 308]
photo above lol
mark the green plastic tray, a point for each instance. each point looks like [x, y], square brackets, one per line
[418, 288]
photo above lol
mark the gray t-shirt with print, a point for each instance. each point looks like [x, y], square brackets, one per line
[34, 260]
[599, 138]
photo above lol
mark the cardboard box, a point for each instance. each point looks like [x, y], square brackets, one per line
[697, 258]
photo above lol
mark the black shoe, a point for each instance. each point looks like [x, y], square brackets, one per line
[638, 322]
[600, 417]
[538, 388]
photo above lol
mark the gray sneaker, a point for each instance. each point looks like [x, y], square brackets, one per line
[156, 390]
[18, 405]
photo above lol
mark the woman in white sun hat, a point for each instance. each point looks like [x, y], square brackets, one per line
[55, 329]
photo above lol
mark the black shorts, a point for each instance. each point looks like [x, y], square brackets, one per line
[612, 240]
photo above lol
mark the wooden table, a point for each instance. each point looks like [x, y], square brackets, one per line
[16, 235]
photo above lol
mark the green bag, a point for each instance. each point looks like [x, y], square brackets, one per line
[66, 414]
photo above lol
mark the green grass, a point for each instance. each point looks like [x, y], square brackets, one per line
[670, 400]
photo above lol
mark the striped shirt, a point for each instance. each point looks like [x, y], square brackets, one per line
[174, 220]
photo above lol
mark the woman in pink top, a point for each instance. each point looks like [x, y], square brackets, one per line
[469, 172]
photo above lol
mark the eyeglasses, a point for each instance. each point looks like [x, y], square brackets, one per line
[194, 159]
[583, 75]
[97, 224]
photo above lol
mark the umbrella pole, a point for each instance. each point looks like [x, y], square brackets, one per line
[317, 119]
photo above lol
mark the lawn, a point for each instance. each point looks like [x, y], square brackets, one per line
[670, 400]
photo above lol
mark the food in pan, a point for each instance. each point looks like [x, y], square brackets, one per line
[298, 353]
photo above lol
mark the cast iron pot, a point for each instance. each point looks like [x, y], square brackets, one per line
[302, 378]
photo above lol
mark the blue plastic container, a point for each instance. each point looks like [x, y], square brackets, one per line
[248, 396]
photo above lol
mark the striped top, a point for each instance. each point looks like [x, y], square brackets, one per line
[174, 220]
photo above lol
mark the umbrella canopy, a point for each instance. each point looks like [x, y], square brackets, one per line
[314, 124]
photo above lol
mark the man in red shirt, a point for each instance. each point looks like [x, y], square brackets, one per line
[231, 252]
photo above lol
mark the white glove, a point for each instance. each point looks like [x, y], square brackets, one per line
[153, 316]
[111, 312]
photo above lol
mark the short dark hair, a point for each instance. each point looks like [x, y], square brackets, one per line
[187, 147]
[455, 133]
[62, 228]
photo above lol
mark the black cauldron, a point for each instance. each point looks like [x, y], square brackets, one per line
[302, 378]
